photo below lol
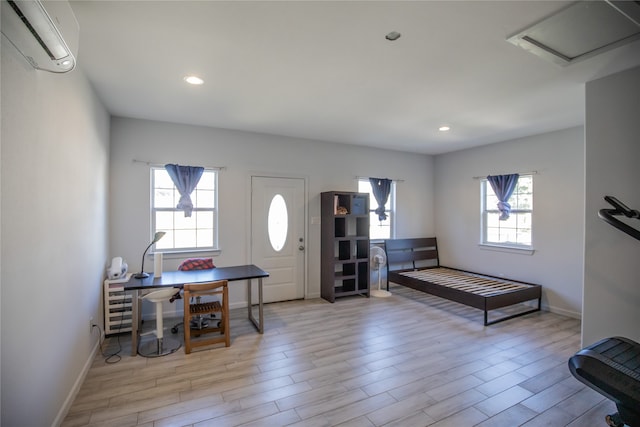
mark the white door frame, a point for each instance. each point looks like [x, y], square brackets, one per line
[249, 244]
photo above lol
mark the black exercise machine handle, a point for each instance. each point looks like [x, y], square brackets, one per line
[608, 215]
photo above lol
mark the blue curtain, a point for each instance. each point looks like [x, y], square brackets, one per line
[503, 186]
[186, 179]
[381, 188]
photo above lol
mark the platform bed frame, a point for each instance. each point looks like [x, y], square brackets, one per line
[473, 289]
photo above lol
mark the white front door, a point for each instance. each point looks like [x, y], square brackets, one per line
[277, 235]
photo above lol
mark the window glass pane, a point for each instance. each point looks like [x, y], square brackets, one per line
[163, 198]
[492, 202]
[524, 220]
[508, 235]
[365, 187]
[379, 229]
[523, 194]
[162, 179]
[207, 181]
[374, 221]
[164, 220]
[492, 219]
[380, 232]
[278, 222]
[493, 235]
[185, 239]
[509, 222]
[203, 198]
[205, 237]
[183, 223]
[516, 202]
[525, 184]
[204, 219]
[522, 201]
[167, 241]
[524, 237]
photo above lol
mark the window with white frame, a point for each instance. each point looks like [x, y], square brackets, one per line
[516, 231]
[198, 232]
[379, 230]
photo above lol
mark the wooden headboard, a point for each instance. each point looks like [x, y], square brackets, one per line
[404, 252]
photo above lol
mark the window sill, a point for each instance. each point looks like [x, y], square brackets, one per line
[507, 249]
[189, 254]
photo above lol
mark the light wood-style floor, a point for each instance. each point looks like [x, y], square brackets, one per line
[408, 360]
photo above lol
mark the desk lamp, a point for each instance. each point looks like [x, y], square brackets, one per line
[142, 274]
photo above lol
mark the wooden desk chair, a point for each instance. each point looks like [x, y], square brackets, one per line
[191, 310]
[199, 322]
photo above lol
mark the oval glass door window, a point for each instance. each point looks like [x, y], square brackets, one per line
[278, 222]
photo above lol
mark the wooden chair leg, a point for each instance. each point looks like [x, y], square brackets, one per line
[225, 324]
[187, 336]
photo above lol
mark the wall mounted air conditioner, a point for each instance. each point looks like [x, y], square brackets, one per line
[44, 32]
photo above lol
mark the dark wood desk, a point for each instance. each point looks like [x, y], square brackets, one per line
[177, 279]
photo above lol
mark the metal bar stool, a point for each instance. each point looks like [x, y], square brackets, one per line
[160, 346]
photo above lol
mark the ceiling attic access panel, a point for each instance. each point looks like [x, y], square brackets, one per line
[582, 30]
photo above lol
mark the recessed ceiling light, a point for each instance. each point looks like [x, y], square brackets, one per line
[393, 36]
[194, 80]
[444, 128]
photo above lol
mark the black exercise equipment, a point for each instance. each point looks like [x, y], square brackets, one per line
[612, 365]
[612, 368]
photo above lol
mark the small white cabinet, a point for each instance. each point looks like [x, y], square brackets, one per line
[117, 306]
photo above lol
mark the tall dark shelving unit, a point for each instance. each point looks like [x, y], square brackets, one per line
[344, 244]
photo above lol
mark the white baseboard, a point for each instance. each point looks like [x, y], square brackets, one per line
[64, 410]
[562, 312]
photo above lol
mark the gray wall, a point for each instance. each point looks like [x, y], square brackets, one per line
[558, 219]
[326, 166]
[612, 271]
[55, 150]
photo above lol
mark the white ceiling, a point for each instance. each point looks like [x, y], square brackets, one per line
[323, 70]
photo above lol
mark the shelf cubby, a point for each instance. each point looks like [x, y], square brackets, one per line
[363, 276]
[362, 249]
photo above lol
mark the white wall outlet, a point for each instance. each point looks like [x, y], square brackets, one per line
[90, 325]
